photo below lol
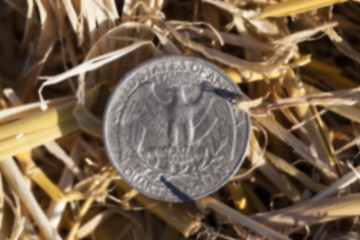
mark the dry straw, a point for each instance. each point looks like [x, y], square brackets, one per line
[296, 61]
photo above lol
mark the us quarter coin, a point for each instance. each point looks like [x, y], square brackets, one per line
[171, 131]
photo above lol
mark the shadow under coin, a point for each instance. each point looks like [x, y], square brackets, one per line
[231, 97]
[175, 190]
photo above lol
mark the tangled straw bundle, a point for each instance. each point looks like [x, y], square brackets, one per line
[297, 61]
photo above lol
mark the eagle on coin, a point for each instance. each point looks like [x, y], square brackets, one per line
[176, 131]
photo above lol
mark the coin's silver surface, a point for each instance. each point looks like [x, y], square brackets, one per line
[170, 130]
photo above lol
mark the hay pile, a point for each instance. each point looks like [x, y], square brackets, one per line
[297, 62]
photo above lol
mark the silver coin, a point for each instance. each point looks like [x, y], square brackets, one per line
[171, 131]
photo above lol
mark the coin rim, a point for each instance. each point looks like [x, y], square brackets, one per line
[126, 78]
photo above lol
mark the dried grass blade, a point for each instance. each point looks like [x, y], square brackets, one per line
[313, 212]
[112, 213]
[350, 112]
[37, 122]
[26, 110]
[171, 215]
[16, 181]
[257, 158]
[29, 25]
[2, 203]
[245, 41]
[346, 97]
[292, 7]
[92, 224]
[71, 13]
[325, 147]
[343, 46]
[240, 218]
[100, 188]
[55, 210]
[15, 6]
[18, 230]
[289, 169]
[331, 73]
[92, 16]
[227, 6]
[16, 224]
[251, 76]
[238, 197]
[253, 199]
[87, 121]
[90, 65]
[230, 60]
[276, 129]
[303, 35]
[342, 183]
[42, 50]
[35, 173]
[13, 146]
[315, 127]
[89, 148]
[352, 143]
[58, 152]
[40, 178]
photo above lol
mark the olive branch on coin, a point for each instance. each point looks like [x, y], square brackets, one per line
[183, 166]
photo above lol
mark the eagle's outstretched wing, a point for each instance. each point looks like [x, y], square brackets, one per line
[143, 116]
[214, 124]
